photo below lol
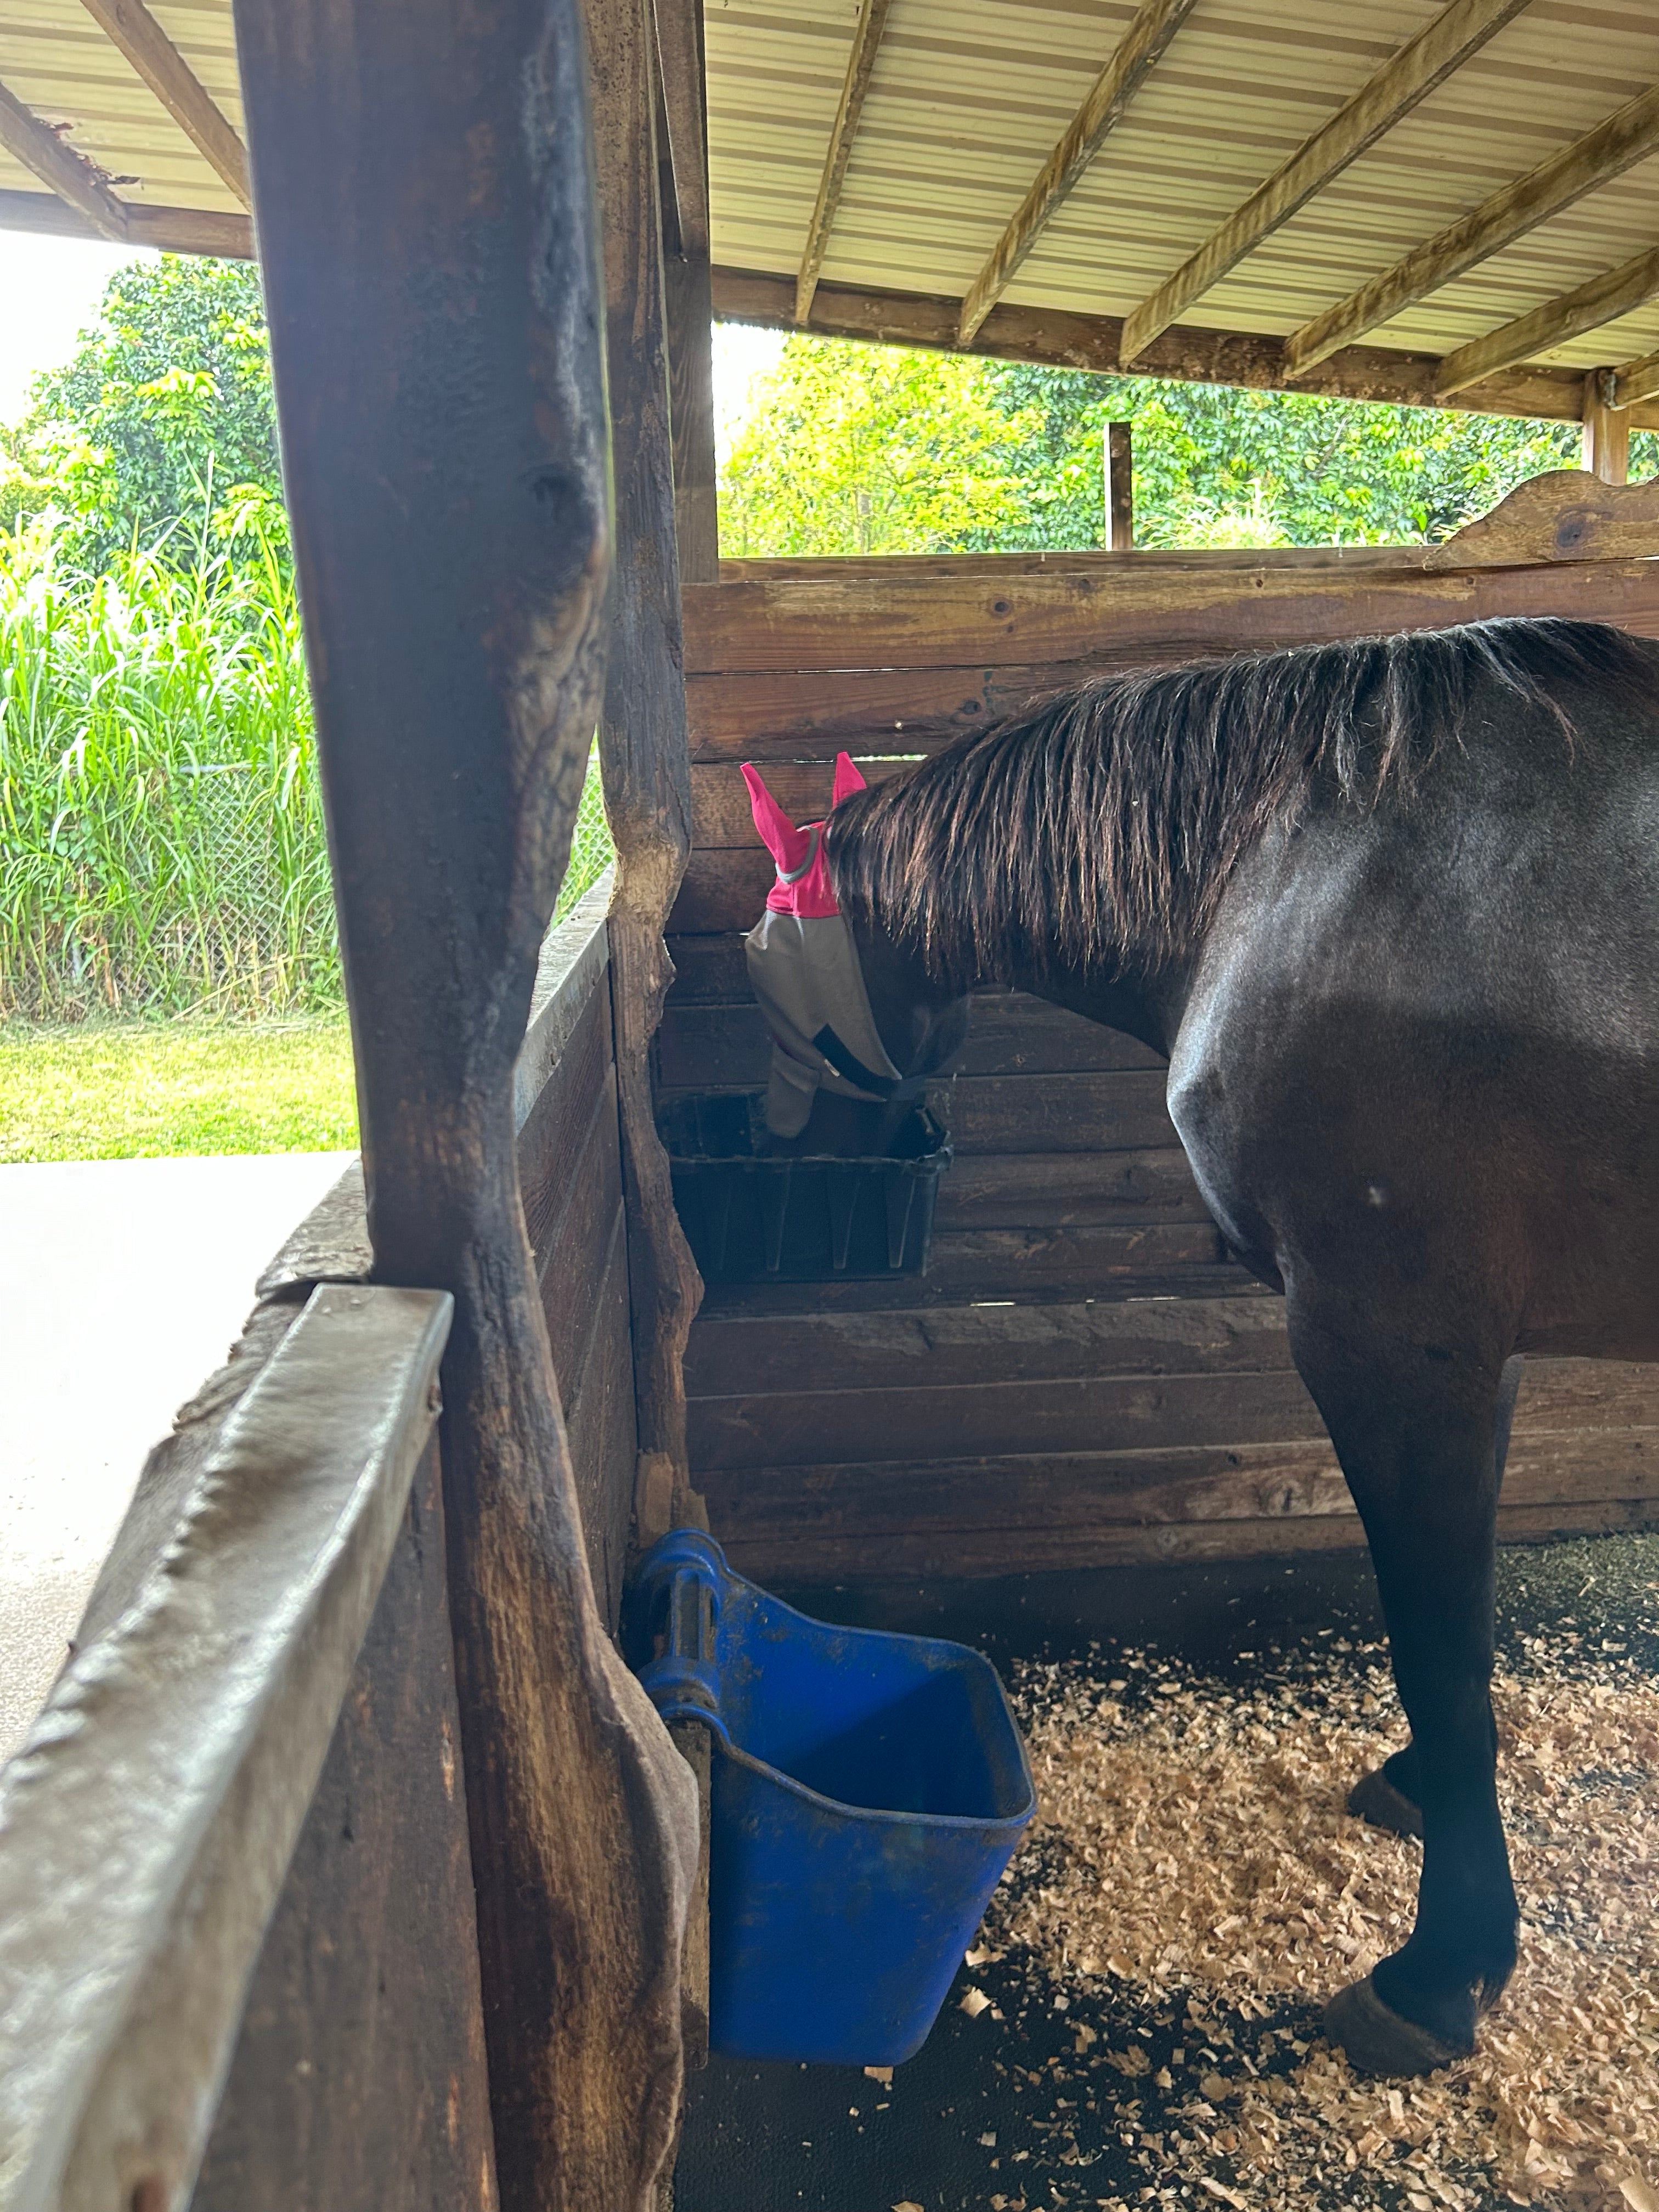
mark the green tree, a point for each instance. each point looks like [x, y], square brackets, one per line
[164, 407]
[869, 449]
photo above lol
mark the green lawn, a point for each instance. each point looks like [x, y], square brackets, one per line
[135, 1090]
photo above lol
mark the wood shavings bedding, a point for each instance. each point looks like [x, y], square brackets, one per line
[1194, 1861]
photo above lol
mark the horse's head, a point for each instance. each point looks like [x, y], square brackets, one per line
[857, 1026]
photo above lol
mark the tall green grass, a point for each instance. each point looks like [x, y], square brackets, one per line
[161, 841]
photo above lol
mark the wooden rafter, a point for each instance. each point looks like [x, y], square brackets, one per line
[74, 179]
[1138, 54]
[129, 25]
[1057, 338]
[169, 229]
[1404, 80]
[1638, 380]
[1602, 300]
[1601, 155]
[860, 64]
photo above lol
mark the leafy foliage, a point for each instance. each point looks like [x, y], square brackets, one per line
[859, 448]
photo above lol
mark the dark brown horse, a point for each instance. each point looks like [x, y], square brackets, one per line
[1391, 911]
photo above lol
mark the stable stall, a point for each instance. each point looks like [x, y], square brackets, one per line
[347, 1864]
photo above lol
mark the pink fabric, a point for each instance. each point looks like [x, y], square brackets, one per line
[800, 853]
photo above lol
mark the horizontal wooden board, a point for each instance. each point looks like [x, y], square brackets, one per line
[1055, 1190]
[720, 811]
[572, 1256]
[952, 1347]
[1121, 1414]
[780, 715]
[981, 621]
[1202, 560]
[1150, 1279]
[729, 1047]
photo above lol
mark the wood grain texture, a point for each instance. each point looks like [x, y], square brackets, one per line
[1386, 98]
[359, 2076]
[1058, 338]
[644, 750]
[146, 1825]
[1514, 209]
[1603, 299]
[435, 293]
[1137, 54]
[130, 25]
[681, 72]
[75, 180]
[1606, 429]
[1119, 486]
[604, 1442]
[872, 21]
[1636, 381]
[1567, 514]
[169, 229]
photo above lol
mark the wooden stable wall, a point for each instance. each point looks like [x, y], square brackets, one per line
[1084, 1376]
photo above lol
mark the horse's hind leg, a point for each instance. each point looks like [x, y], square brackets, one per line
[1391, 1796]
[1415, 1425]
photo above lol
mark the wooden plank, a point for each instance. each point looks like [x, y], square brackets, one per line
[1603, 299]
[833, 568]
[1142, 46]
[1072, 1260]
[74, 179]
[975, 622]
[570, 970]
[964, 1344]
[1147, 1282]
[151, 1818]
[1057, 338]
[643, 752]
[169, 229]
[1606, 429]
[427, 229]
[1386, 98]
[683, 75]
[571, 1255]
[728, 1048]
[129, 25]
[691, 389]
[1120, 486]
[1062, 1190]
[1613, 146]
[359, 2076]
[553, 1131]
[1566, 514]
[1638, 380]
[721, 811]
[860, 67]
[603, 1437]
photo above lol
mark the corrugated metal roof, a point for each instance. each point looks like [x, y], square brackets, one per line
[967, 100]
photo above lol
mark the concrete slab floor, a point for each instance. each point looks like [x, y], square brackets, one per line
[122, 1284]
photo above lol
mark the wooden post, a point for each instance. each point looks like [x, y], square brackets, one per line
[426, 225]
[1606, 429]
[1120, 487]
[643, 750]
[689, 286]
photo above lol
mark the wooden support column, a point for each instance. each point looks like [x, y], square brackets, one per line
[688, 288]
[422, 183]
[1606, 429]
[643, 749]
[1120, 487]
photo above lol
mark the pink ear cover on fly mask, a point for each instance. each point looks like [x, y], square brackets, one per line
[803, 887]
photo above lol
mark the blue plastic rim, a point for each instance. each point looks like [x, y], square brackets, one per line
[868, 1791]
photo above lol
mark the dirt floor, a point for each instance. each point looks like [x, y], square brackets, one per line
[1140, 2021]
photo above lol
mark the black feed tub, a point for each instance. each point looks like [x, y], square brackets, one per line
[755, 1216]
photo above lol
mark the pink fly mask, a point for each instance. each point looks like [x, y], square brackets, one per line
[805, 969]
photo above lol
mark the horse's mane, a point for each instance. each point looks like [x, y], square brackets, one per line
[1112, 815]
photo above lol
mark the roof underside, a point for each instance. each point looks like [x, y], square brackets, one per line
[959, 106]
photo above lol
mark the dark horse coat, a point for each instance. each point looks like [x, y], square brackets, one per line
[1391, 909]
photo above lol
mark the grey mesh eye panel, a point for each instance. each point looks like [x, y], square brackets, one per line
[805, 973]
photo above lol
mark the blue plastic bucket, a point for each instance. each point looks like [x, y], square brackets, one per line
[868, 1791]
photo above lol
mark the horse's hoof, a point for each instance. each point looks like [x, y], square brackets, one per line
[1375, 1798]
[1378, 2040]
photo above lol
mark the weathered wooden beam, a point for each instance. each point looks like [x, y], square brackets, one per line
[1404, 80]
[422, 179]
[684, 77]
[1613, 146]
[1637, 381]
[169, 229]
[1569, 315]
[1138, 54]
[1059, 339]
[1565, 514]
[1606, 427]
[146, 1825]
[1120, 487]
[71, 177]
[129, 25]
[691, 386]
[642, 742]
[860, 65]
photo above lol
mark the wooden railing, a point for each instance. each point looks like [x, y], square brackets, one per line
[238, 1951]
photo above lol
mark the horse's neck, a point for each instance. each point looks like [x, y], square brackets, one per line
[1143, 1006]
